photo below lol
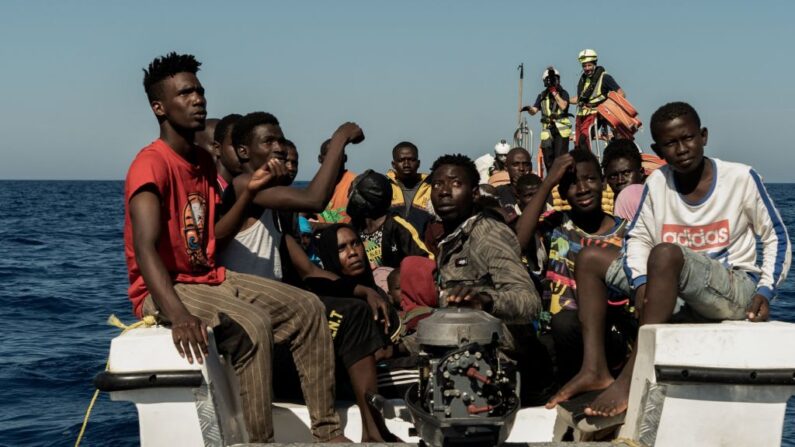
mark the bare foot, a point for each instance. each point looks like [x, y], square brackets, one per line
[338, 439]
[612, 401]
[584, 381]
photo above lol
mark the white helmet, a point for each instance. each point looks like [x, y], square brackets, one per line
[502, 148]
[545, 75]
[587, 55]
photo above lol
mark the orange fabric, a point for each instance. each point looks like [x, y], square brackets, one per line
[651, 163]
[335, 211]
[499, 178]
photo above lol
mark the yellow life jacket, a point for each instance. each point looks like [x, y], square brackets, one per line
[597, 96]
[551, 113]
[422, 199]
[608, 200]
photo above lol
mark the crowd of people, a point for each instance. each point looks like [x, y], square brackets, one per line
[323, 286]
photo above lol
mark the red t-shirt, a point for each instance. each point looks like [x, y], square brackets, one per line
[189, 196]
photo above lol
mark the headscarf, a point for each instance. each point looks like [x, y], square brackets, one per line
[628, 201]
[328, 250]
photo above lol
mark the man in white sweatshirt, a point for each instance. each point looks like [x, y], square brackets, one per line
[694, 237]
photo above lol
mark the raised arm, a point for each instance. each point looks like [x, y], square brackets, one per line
[188, 331]
[314, 198]
[528, 221]
[229, 224]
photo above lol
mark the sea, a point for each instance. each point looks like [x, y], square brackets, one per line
[62, 272]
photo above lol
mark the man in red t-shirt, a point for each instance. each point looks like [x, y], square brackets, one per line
[170, 237]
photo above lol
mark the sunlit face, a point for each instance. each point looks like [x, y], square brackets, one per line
[266, 143]
[353, 259]
[620, 173]
[584, 194]
[181, 102]
[452, 193]
[681, 143]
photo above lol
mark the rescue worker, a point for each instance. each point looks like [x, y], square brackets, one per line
[592, 90]
[553, 103]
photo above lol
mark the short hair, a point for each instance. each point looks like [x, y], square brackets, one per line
[579, 156]
[288, 143]
[324, 147]
[241, 134]
[670, 112]
[458, 160]
[528, 180]
[223, 126]
[164, 67]
[403, 144]
[621, 149]
[517, 150]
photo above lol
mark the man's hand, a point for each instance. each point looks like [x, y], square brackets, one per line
[759, 309]
[350, 133]
[271, 173]
[190, 333]
[377, 304]
[464, 296]
[562, 164]
[525, 109]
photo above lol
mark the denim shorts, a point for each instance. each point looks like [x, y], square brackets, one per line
[709, 289]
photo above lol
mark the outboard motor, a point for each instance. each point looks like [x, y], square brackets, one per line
[467, 391]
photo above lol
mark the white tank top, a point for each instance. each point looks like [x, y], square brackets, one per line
[255, 250]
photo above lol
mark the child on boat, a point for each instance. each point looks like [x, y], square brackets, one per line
[579, 180]
[694, 238]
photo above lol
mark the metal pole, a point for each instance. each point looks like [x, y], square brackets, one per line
[519, 109]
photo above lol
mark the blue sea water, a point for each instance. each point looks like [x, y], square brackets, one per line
[62, 272]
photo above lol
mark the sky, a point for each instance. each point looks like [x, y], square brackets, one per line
[440, 74]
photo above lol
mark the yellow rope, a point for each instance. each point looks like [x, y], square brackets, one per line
[113, 320]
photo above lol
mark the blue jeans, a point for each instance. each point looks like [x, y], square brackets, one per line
[710, 290]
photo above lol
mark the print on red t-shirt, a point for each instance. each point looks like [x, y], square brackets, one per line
[187, 217]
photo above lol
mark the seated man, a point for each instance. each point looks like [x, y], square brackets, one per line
[693, 238]
[388, 238]
[517, 163]
[170, 240]
[566, 233]
[480, 266]
[622, 165]
[411, 191]
[255, 250]
[226, 162]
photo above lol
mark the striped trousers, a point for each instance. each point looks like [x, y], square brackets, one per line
[269, 312]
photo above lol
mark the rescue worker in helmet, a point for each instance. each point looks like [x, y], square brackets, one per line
[592, 90]
[553, 103]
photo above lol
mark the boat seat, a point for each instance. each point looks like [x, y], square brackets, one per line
[727, 383]
[178, 403]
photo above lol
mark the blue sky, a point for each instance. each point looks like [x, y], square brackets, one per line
[440, 74]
